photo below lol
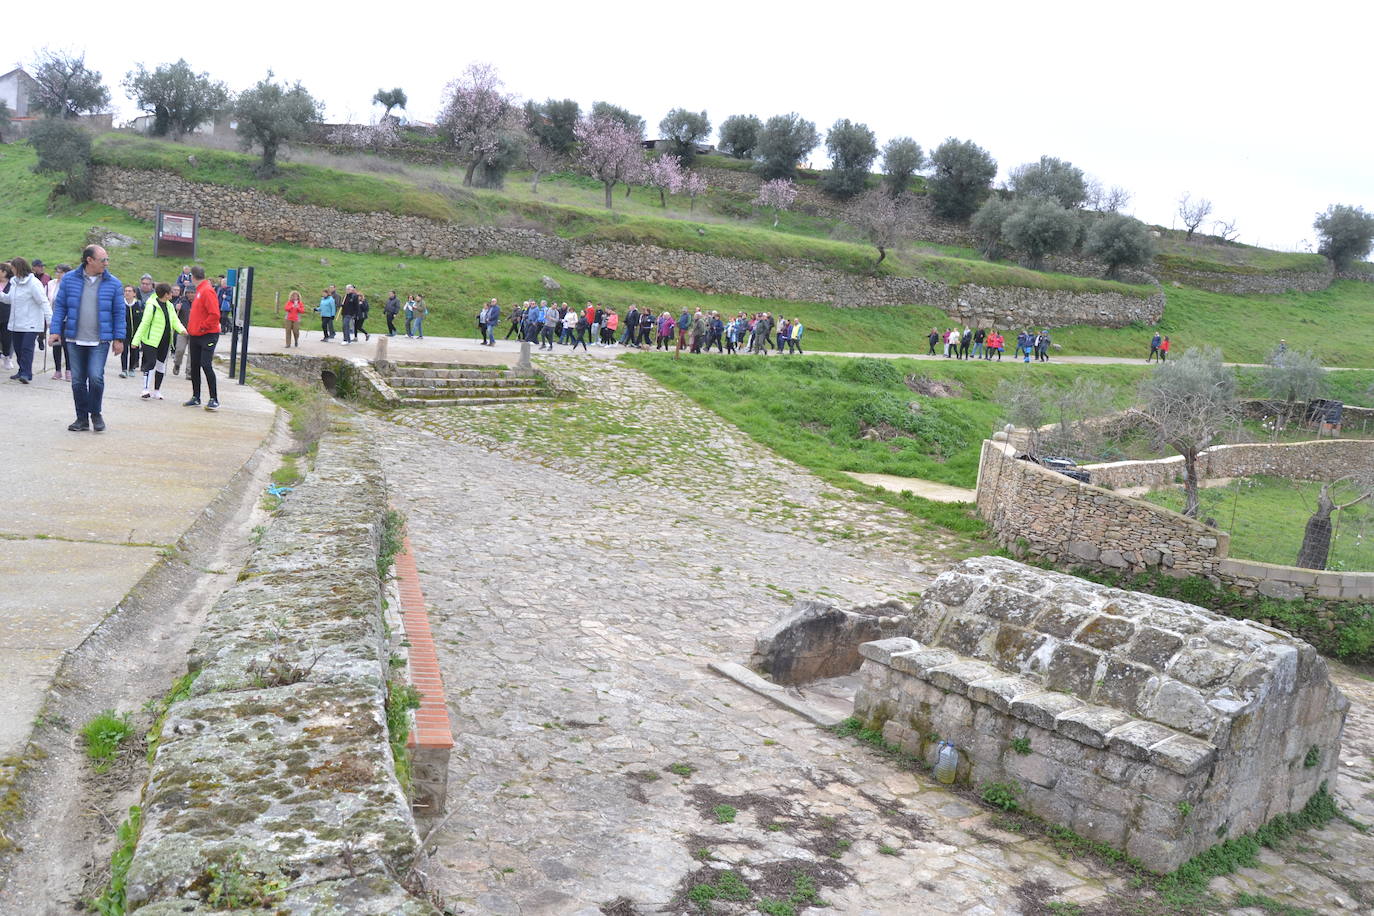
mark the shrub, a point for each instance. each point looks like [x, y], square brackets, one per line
[63, 149]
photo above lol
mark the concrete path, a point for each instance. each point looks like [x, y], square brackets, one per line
[87, 513]
[939, 492]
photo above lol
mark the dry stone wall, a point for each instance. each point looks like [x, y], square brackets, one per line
[265, 218]
[1265, 284]
[1146, 724]
[1320, 459]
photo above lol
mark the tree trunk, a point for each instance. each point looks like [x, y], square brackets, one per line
[1191, 503]
[467, 177]
[609, 185]
[534, 186]
[628, 188]
[882, 253]
[662, 199]
[692, 205]
[1316, 539]
[776, 214]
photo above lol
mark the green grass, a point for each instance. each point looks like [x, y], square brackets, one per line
[1174, 253]
[111, 901]
[1266, 517]
[104, 734]
[401, 699]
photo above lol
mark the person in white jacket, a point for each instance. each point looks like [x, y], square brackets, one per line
[29, 315]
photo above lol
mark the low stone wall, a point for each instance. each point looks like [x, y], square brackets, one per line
[1065, 521]
[1260, 284]
[1146, 724]
[1046, 514]
[1320, 459]
[265, 218]
[278, 767]
[819, 639]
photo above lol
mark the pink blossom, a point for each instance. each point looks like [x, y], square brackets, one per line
[779, 194]
[665, 174]
[609, 152]
[475, 114]
[694, 185]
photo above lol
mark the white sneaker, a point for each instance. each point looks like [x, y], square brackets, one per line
[157, 395]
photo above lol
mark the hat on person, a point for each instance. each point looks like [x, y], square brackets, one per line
[36, 262]
[146, 277]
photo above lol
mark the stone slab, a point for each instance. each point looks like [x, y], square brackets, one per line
[779, 695]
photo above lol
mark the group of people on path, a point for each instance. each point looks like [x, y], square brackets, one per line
[547, 324]
[1159, 347]
[83, 314]
[352, 307]
[986, 343]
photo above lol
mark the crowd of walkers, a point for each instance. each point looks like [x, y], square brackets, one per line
[351, 309]
[81, 314]
[553, 323]
[989, 343]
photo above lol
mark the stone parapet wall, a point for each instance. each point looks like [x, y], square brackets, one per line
[265, 218]
[279, 764]
[1065, 521]
[1048, 515]
[1320, 459]
[1144, 723]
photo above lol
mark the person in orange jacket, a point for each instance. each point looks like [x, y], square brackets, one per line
[202, 333]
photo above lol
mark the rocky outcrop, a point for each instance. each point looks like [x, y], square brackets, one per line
[818, 639]
[1150, 725]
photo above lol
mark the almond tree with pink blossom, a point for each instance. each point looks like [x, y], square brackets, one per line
[779, 194]
[609, 152]
[666, 176]
[693, 185]
[477, 116]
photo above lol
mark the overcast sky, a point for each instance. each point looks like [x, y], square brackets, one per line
[1259, 107]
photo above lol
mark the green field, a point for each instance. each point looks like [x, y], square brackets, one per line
[1266, 517]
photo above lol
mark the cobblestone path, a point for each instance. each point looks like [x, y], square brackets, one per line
[600, 764]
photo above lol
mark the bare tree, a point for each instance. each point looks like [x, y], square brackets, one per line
[1315, 551]
[1226, 230]
[1193, 212]
[880, 217]
[1292, 377]
[1187, 404]
[1024, 401]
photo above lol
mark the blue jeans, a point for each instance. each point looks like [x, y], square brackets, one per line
[87, 365]
[418, 324]
[491, 333]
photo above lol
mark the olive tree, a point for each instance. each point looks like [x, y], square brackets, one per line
[63, 149]
[683, 130]
[271, 114]
[1050, 178]
[1187, 403]
[66, 87]
[784, 141]
[552, 129]
[1346, 234]
[739, 135]
[178, 98]
[902, 158]
[389, 99]
[1315, 551]
[962, 173]
[1119, 241]
[633, 122]
[986, 226]
[852, 148]
[1292, 377]
[1038, 227]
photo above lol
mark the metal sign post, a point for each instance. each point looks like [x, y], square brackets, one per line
[245, 316]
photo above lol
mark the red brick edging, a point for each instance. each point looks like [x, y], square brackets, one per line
[432, 727]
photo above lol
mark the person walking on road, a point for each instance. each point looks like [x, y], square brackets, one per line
[1154, 347]
[392, 309]
[153, 339]
[327, 308]
[29, 311]
[89, 313]
[203, 333]
[294, 309]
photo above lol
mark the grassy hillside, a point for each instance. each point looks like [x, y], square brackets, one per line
[434, 194]
[1328, 322]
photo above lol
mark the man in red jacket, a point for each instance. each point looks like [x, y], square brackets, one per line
[202, 333]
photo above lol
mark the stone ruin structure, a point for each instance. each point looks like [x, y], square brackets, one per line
[1153, 726]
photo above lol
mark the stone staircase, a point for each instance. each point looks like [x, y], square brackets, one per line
[457, 384]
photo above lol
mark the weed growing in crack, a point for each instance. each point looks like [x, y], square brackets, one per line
[725, 814]
[104, 734]
[681, 769]
[111, 902]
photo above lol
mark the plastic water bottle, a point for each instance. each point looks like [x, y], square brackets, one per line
[946, 763]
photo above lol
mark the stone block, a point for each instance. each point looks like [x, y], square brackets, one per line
[1134, 739]
[1053, 806]
[1112, 558]
[1106, 632]
[1044, 708]
[1073, 669]
[918, 662]
[1032, 768]
[882, 650]
[1180, 707]
[957, 676]
[1099, 825]
[1084, 550]
[1090, 725]
[819, 640]
[1153, 647]
[1183, 754]
[1274, 588]
[1202, 668]
[998, 692]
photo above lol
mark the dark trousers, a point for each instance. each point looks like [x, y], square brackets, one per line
[201, 350]
[514, 329]
[327, 327]
[23, 351]
[390, 325]
[57, 353]
[932, 349]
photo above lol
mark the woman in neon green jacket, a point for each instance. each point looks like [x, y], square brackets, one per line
[154, 339]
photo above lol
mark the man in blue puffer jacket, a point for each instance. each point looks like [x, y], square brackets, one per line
[89, 311]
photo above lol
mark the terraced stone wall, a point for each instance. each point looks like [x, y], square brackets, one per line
[278, 770]
[1258, 284]
[1320, 459]
[262, 217]
[1147, 724]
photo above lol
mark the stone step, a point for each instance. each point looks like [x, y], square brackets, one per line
[466, 393]
[471, 402]
[485, 367]
[420, 372]
[408, 381]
